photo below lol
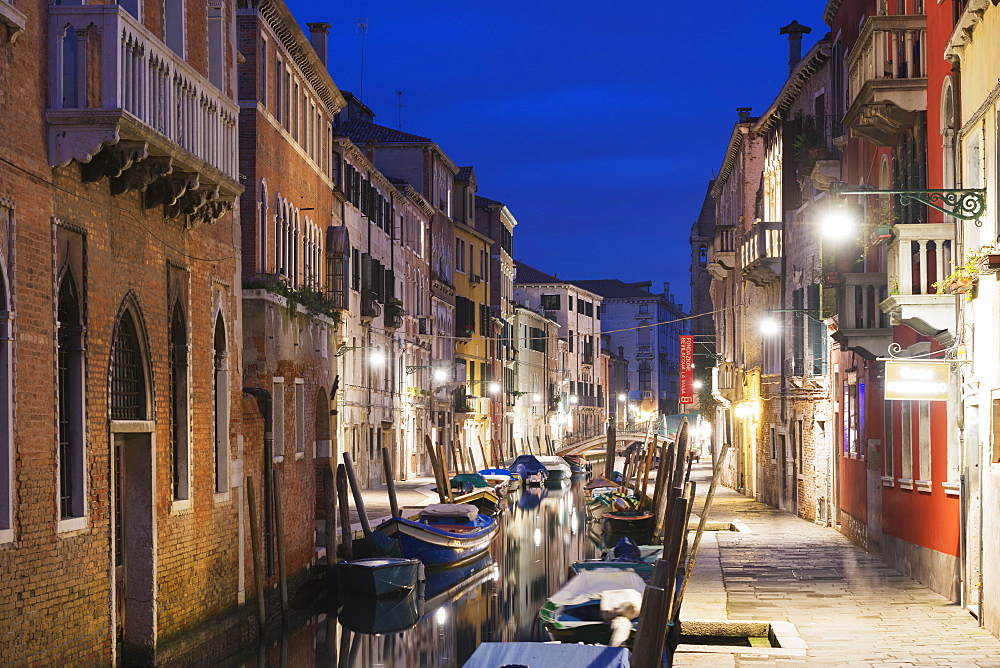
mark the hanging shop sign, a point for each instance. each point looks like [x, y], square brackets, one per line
[687, 371]
[916, 381]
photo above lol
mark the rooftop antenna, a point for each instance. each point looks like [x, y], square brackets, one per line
[362, 29]
[399, 103]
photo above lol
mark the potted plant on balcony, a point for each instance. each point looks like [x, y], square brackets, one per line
[466, 331]
[961, 281]
[988, 259]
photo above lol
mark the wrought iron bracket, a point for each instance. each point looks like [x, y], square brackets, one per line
[966, 204]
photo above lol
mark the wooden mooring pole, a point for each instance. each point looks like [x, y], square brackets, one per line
[390, 483]
[258, 577]
[346, 536]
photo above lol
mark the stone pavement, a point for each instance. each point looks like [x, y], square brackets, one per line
[848, 607]
[409, 493]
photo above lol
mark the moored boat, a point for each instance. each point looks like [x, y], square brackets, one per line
[532, 471]
[578, 464]
[487, 500]
[381, 615]
[636, 524]
[625, 555]
[442, 533]
[556, 466]
[598, 606]
[379, 576]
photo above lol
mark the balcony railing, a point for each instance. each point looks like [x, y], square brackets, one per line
[920, 255]
[887, 76]
[761, 252]
[862, 326]
[111, 79]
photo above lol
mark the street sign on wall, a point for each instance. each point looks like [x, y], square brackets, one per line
[687, 372]
[916, 381]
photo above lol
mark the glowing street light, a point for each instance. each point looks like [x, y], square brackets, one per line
[376, 357]
[769, 326]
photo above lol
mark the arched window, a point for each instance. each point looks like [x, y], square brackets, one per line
[179, 405]
[948, 132]
[262, 228]
[128, 373]
[643, 332]
[702, 256]
[220, 406]
[70, 385]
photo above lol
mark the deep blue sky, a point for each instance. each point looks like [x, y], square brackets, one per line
[598, 124]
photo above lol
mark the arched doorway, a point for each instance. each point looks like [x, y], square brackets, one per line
[131, 428]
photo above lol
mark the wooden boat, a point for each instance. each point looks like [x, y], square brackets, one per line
[578, 464]
[574, 613]
[636, 524]
[610, 500]
[487, 500]
[639, 559]
[379, 576]
[442, 533]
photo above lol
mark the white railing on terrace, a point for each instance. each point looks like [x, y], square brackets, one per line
[920, 255]
[889, 47]
[141, 76]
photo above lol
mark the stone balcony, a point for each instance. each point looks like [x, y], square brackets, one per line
[862, 326]
[761, 253]
[129, 109]
[887, 78]
[723, 257]
[919, 255]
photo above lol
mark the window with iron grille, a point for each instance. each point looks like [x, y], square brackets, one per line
[128, 383]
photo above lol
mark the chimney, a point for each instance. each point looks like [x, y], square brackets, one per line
[318, 34]
[794, 31]
[666, 289]
[744, 114]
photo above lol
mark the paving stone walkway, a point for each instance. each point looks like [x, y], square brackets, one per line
[848, 607]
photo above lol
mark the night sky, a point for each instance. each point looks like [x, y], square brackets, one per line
[599, 125]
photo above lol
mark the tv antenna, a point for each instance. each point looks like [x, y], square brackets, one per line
[361, 28]
[399, 104]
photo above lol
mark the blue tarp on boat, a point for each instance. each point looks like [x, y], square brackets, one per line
[546, 655]
[531, 465]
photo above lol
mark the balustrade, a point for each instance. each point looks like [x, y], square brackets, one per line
[131, 79]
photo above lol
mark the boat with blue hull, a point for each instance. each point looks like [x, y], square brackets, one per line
[442, 534]
[532, 471]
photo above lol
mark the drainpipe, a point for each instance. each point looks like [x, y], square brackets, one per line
[264, 403]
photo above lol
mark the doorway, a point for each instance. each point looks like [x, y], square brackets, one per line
[134, 543]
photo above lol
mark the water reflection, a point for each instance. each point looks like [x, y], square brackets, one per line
[494, 598]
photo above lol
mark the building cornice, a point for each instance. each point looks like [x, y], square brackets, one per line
[284, 26]
[831, 11]
[732, 152]
[797, 80]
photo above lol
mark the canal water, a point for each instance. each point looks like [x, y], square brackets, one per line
[495, 598]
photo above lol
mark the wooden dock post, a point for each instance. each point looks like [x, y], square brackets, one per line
[330, 521]
[359, 501]
[279, 527]
[258, 578]
[390, 482]
[442, 492]
[346, 537]
[445, 475]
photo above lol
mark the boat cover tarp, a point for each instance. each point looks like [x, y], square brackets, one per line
[474, 478]
[546, 655]
[530, 463]
[590, 584]
[552, 462]
[464, 510]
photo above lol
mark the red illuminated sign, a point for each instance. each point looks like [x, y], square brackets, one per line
[687, 370]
